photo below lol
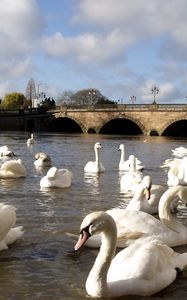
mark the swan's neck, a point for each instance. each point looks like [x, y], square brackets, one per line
[96, 284]
[97, 158]
[138, 199]
[133, 165]
[122, 159]
[165, 210]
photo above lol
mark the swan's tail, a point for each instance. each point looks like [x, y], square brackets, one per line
[13, 235]
[181, 261]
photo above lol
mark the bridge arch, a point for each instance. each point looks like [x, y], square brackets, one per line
[133, 125]
[69, 123]
[175, 127]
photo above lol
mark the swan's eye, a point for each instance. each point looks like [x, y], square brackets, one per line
[86, 229]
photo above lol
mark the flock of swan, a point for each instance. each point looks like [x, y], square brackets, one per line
[146, 262]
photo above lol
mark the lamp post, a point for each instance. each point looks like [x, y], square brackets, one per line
[91, 94]
[154, 91]
[39, 95]
[132, 99]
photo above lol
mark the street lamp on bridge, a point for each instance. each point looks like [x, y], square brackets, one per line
[92, 94]
[154, 91]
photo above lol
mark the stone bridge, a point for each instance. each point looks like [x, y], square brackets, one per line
[147, 119]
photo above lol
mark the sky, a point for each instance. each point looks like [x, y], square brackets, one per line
[121, 48]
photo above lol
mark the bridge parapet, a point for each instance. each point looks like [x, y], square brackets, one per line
[121, 107]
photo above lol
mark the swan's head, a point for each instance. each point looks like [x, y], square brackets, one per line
[98, 146]
[147, 184]
[132, 157]
[94, 223]
[42, 155]
[132, 161]
[121, 147]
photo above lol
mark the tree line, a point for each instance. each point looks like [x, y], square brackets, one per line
[17, 100]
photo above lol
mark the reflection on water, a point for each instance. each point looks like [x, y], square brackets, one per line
[92, 182]
[37, 266]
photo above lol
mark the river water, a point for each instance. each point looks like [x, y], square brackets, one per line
[37, 266]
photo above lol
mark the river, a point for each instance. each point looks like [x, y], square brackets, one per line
[37, 266]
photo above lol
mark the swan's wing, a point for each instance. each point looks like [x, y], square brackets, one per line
[149, 266]
[7, 219]
[52, 172]
[136, 221]
[90, 166]
[65, 172]
[125, 239]
[13, 235]
[14, 166]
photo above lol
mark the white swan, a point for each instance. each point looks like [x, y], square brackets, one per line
[177, 174]
[5, 151]
[141, 269]
[8, 233]
[179, 152]
[168, 163]
[42, 160]
[12, 169]
[147, 196]
[124, 165]
[56, 178]
[95, 166]
[30, 141]
[131, 180]
[133, 225]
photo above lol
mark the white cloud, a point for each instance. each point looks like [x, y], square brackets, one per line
[20, 18]
[21, 25]
[17, 69]
[87, 47]
[94, 42]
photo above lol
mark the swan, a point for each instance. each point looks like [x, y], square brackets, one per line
[95, 166]
[30, 141]
[124, 164]
[177, 174]
[131, 180]
[5, 151]
[133, 225]
[8, 233]
[179, 152]
[168, 163]
[42, 160]
[56, 178]
[12, 169]
[147, 196]
[141, 269]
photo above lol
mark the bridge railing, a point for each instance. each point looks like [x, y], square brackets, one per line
[122, 107]
[97, 107]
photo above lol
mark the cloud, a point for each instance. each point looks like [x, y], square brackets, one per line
[20, 25]
[17, 69]
[112, 27]
[87, 47]
[121, 47]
